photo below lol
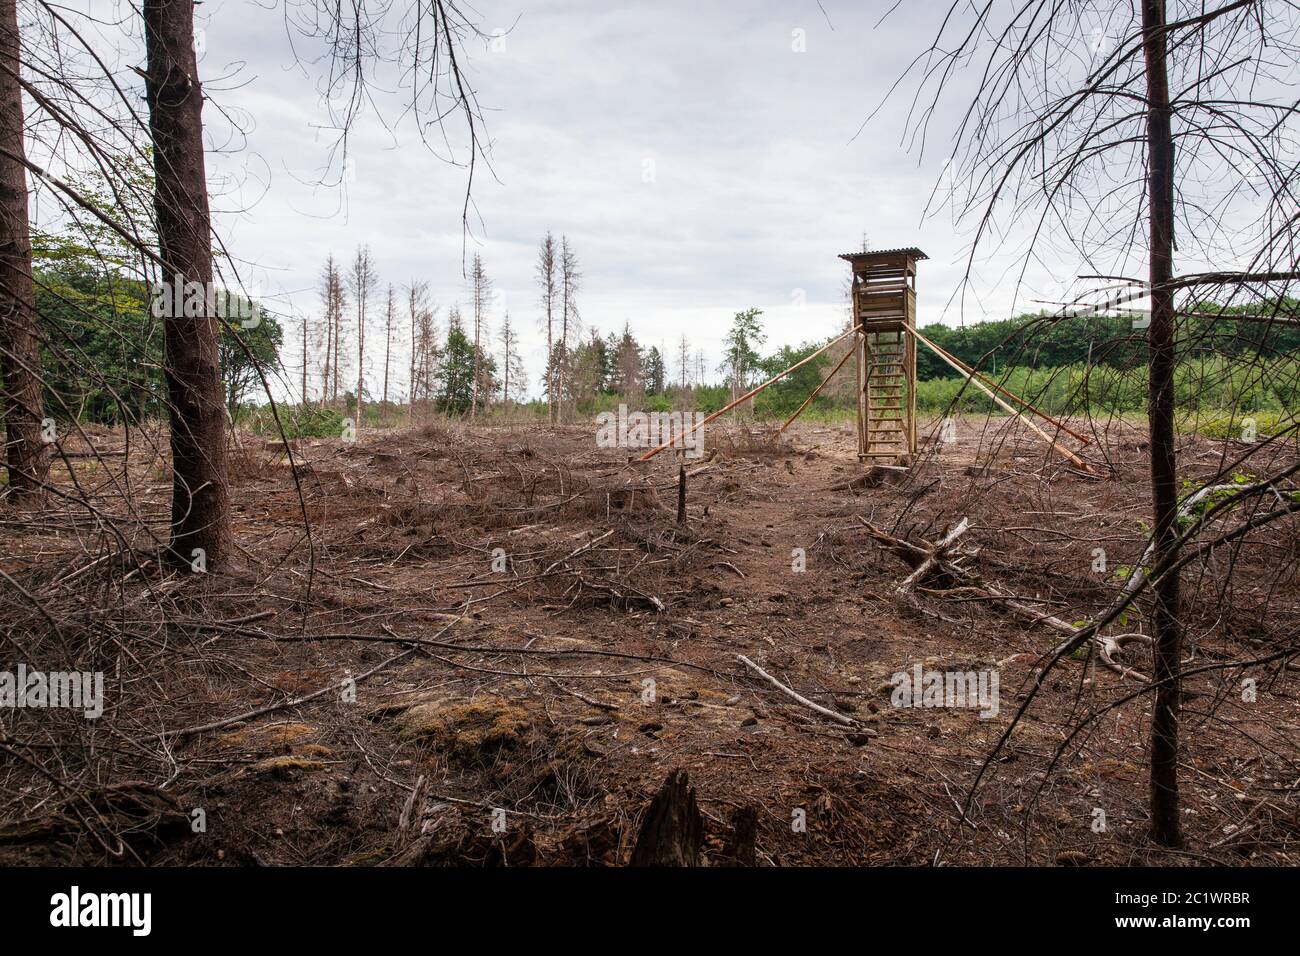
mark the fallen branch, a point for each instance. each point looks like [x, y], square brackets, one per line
[933, 557]
[923, 561]
[292, 702]
[825, 712]
[599, 705]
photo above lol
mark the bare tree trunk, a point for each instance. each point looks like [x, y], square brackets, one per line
[562, 351]
[480, 288]
[361, 357]
[1166, 629]
[410, 397]
[20, 356]
[304, 361]
[550, 370]
[363, 283]
[200, 498]
[325, 372]
[546, 276]
[569, 276]
[505, 365]
[336, 334]
[334, 344]
[388, 341]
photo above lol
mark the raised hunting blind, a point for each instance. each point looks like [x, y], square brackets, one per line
[884, 315]
[885, 340]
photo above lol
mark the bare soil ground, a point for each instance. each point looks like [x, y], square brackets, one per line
[576, 645]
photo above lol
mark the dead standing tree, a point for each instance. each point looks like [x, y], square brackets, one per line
[546, 280]
[390, 313]
[306, 340]
[1073, 128]
[424, 349]
[570, 281]
[200, 497]
[480, 290]
[333, 302]
[1165, 624]
[20, 359]
[363, 281]
[512, 365]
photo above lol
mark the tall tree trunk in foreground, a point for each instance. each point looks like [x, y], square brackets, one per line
[200, 498]
[1165, 625]
[20, 357]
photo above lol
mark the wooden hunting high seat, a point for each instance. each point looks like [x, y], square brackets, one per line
[884, 308]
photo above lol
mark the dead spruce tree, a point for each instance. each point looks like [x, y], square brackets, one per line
[20, 358]
[546, 281]
[1133, 139]
[570, 280]
[362, 281]
[390, 313]
[480, 290]
[333, 302]
[424, 349]
[200, 513]
[512, 363]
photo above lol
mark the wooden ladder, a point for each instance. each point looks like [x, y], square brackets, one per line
[886, 383]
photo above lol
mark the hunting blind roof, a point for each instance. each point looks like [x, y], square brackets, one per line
[911, 252]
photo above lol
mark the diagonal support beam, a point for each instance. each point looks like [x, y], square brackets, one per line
[971, 377]
[817, 391]
[748, 395]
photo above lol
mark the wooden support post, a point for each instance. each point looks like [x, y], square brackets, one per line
[911, 389]
[860, 346]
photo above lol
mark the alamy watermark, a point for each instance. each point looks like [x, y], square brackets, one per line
[191, 299]
[71, 690]
[651, 429]
[73, 909]
[933, 688]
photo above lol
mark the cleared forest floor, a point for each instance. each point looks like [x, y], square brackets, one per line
[563, 676]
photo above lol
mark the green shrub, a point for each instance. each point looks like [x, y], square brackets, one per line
[311, 422]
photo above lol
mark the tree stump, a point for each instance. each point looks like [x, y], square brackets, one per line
[672, 829]
[739, 850]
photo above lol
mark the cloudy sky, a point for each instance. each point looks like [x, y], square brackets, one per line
[701, 158]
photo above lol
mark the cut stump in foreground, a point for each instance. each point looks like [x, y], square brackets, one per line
[672, 829]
